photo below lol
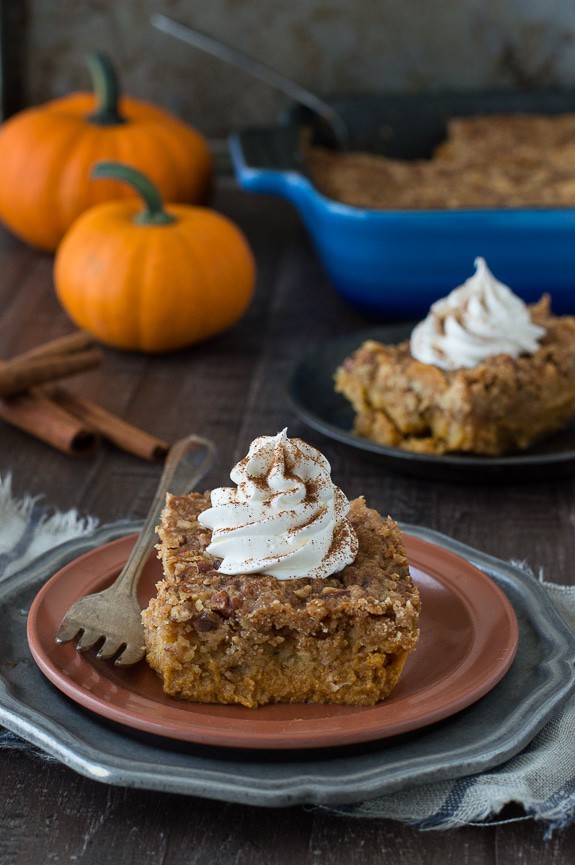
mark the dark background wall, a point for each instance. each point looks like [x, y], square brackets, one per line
[332, 46]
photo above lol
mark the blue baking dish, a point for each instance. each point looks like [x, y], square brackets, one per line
[394, 264]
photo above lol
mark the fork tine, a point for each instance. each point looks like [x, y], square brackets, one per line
[67, 631]
[88, 638]
[110, 646]
[131, 655]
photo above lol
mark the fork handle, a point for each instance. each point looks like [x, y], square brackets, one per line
[187, 462]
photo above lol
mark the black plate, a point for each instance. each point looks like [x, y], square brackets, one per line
[313, 397]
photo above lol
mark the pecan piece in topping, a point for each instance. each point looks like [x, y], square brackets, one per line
[222, 604]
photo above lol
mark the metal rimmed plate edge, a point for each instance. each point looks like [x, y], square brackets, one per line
[32, 708]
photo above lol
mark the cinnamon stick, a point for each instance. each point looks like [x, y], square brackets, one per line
[19, 375]
[37, 415]
[34, 413]
[64, 420]
[75, 341]
[121, 433]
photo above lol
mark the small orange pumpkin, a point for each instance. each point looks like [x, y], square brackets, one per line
[47, 152]
[154, 280]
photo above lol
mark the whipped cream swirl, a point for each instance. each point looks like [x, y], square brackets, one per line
[286, 518]
[479, 319]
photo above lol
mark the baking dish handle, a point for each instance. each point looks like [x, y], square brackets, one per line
[269, 160]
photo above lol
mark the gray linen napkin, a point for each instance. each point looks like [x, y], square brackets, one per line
[541, 778]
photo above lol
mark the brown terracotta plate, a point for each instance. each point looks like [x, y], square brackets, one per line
[468, 640]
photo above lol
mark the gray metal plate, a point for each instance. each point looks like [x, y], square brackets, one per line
[540, 680]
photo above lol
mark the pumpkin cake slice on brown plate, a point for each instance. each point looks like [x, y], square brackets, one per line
[279, 590]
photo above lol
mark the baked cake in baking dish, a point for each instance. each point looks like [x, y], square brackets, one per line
[490, 161]
[280, 590]
[483, 374]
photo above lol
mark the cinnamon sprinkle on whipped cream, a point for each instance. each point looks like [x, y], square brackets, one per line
[286, 518]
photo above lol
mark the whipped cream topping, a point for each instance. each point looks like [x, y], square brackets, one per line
[285, 518]
[478, 319]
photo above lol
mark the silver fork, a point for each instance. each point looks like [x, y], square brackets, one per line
[112, 617]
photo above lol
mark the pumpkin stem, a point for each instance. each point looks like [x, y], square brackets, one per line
[106, 89]
[154, 214]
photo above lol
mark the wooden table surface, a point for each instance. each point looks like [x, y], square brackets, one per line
[231, 390]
